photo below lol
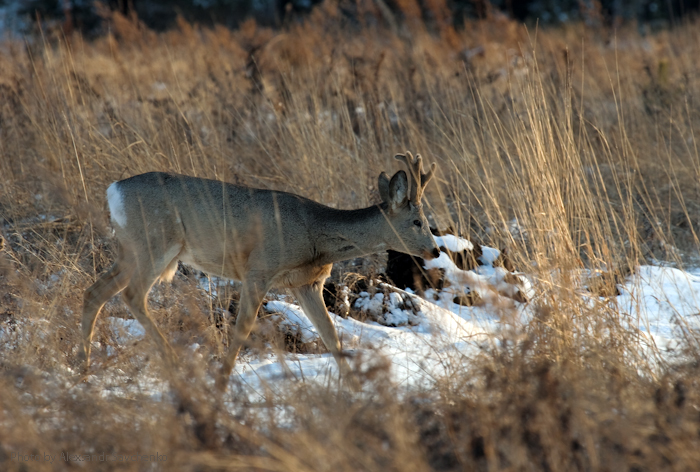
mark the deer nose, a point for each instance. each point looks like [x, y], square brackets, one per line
[436, 253]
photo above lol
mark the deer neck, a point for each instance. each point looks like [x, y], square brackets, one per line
[346, 234]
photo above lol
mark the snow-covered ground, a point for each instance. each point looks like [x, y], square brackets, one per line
[661, 303]
[425, 339]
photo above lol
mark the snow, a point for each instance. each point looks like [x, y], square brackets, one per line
[417, 354]
[294, 319]
[372, 305]
[661, 302]
[124, 329]
[484, 279]
[453, 243]
[489, 255]
[419, 339]
[426, 340]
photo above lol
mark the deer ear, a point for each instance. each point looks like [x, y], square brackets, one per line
[383, 186]
[398, 191]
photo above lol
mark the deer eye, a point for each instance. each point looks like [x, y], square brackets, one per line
[417, 223]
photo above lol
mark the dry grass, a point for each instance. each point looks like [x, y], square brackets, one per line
[583, 138]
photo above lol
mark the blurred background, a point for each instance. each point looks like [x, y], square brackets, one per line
[21, 17]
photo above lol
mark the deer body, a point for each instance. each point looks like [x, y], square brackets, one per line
[263, 238]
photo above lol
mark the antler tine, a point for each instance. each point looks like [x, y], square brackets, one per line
[424, 178]
[414, 169]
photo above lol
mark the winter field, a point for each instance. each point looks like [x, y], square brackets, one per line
[559, 330]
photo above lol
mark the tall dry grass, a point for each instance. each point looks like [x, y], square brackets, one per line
[573, 148]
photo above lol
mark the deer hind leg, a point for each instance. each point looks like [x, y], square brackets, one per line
[252, 294]
[136, 296]
[107, 285]
[310, 297]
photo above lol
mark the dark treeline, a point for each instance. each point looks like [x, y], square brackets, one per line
[86, 15]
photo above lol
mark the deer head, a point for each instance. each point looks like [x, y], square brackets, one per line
[405, 211]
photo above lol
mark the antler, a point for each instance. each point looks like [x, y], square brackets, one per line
[418, 179]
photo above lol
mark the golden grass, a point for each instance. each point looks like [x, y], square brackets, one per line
[584, 138]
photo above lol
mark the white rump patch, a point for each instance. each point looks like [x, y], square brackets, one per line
[115, 201]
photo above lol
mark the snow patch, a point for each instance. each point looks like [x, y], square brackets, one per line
[489, 255]
[453, 243]
[293, 317]
[661, 302]
[438, 342]
[483, 279]
[124, 329]
[389, 309]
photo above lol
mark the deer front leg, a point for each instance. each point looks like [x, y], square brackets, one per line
[310, 297]
[252, 293]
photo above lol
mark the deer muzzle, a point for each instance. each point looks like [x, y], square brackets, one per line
[434, 254]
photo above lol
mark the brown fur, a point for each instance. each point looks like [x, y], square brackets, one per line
[263, 238]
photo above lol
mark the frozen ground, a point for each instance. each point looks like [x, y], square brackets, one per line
[662, 303]
[424, 340]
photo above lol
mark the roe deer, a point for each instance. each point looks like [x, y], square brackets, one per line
[263, 238]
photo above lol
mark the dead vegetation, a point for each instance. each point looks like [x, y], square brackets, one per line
[572, 148]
